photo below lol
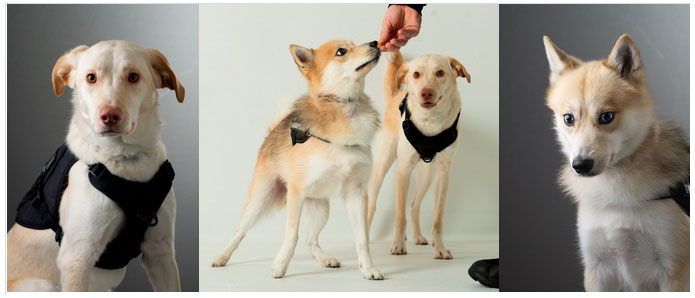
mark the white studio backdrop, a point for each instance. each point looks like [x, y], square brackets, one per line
[247, 72]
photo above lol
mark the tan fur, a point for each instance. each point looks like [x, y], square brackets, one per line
[431, 117]
[628, 241]
[306, 175]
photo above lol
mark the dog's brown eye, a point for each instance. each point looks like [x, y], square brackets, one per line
[340, 52]
[133, 77]
[92, 78]
[569, 119]
[416, 75]
[440, 73]
[606, 118]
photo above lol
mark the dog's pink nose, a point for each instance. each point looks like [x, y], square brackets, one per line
[110, 116]
[427, 94]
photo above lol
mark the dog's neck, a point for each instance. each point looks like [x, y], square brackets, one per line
[435, 120]
[135, 156]
[352, 122]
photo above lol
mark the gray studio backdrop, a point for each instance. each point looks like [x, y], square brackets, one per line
[538, 242]
[37, 121]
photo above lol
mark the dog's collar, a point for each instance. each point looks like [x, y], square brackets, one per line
[680, 193]
[301, 135]
[427, 146]
[336, 99]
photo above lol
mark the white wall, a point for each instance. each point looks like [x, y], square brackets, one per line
[247, 71]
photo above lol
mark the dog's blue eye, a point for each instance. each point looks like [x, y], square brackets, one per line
[340, 52]
[606, 118]
[569, 119]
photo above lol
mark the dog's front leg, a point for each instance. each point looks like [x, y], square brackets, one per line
[76, 258]
[405, 168]
[441, 187]
[294, 211]
[158, 250]
[356, 205]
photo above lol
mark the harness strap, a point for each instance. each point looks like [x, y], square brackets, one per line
[301, 135]
[680, 193]
[140, 201]
[427, 146]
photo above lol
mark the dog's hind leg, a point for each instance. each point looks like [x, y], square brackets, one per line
[385, 155]
[264, 193]
[317, 211]
[294, 212]
[423, 178]
[32, 285]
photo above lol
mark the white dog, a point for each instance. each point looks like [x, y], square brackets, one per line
[115, 124]
[420, 124]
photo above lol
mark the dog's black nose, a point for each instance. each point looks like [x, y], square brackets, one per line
[373, 44]
[583, 166]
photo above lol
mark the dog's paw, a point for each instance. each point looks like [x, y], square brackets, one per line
[420, 240]
[372, 274]
[442, 253]
[330, 263]
[398, 248]
[220, 261]
[279, 269]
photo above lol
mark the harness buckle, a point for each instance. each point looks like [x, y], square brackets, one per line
[150, 220]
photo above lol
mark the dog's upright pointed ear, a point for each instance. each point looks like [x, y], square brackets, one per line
[625, 59]
[303, 57]
[63, 70]
[164, 75]
[558, 60]
[460, 70]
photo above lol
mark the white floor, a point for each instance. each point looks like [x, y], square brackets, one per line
[249, 268]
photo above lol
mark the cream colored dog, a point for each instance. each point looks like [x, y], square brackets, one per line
[435, 103]
[118, 79]
[621, 162]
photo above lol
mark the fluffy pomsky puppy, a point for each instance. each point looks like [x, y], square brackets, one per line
[622, 167]
[335, 123]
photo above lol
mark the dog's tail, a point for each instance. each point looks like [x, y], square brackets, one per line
[391, 85]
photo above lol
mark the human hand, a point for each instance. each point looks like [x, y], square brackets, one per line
[400, 24]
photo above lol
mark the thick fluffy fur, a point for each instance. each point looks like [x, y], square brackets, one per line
[628, 241]
[306, 175]
[432, 74]
[132, 150]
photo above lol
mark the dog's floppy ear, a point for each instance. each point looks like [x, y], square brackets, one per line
[460, 70]
[625, 59]
[303, 57]
[164, 75]
[400, 74]
[558, 60]
[63, 70]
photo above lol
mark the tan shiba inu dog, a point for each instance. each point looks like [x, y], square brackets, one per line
[320, 150]
[623, 165]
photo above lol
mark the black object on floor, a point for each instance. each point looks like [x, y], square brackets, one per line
[486, 272]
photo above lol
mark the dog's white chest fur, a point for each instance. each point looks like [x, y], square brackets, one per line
[329, 172]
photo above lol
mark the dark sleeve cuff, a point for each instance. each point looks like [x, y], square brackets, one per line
[416, 7]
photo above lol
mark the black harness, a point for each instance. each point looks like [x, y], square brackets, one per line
[680, 193]
[301, 135]
[427, 146]
[139, 201]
